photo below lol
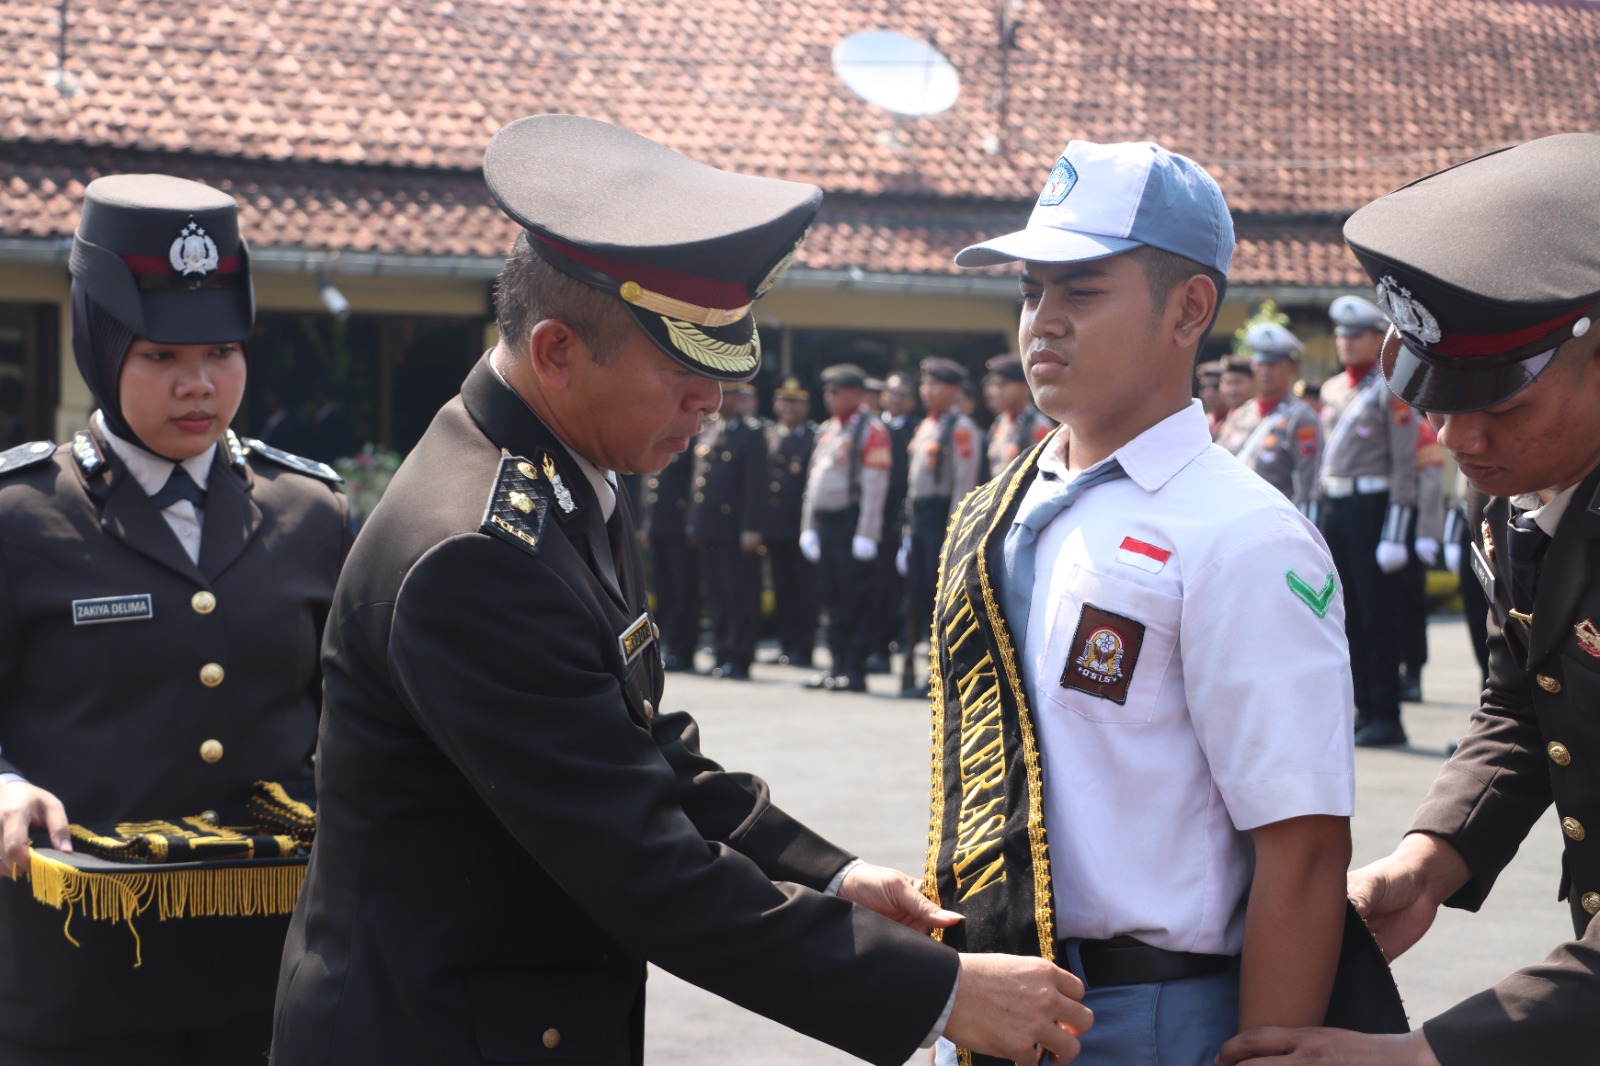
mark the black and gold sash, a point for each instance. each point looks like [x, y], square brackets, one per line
[986, 848]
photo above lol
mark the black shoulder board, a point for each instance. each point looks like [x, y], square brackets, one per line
[299, 464]
[518, 505]
[25, 455]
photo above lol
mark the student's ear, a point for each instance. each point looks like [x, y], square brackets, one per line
[1197, 306]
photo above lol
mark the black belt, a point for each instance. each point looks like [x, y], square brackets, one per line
[1122, 960]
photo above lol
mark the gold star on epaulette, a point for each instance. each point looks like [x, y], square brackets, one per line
[518, 505]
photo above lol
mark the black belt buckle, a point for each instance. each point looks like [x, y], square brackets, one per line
[1122, 960]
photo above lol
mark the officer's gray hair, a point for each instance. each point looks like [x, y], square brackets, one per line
[530, 290]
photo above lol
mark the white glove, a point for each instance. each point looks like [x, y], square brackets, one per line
[865, 549]
[902, 558]
[1391, 556]
[1427, 550]
[811, 545]
[1452, 557]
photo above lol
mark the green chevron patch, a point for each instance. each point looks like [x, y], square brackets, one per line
[1317, 601]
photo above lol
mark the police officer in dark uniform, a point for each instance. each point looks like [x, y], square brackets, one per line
[725, 520]
[1490, 274]
[509, 827]
[1018, 425]
[165, 589]
[899, 402]
[790, 439]
[674, 565]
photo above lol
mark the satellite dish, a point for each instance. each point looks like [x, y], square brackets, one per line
[898, 73]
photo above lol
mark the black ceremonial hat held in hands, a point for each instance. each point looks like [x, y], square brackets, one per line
[689, 248]
[163, 256]
[1485, 269]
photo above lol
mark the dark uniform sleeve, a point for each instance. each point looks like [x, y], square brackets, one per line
[754, 470]
[528, 711]
[1497, 784]
[1547, 1014]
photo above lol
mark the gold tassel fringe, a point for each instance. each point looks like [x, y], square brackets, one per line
[120, 897]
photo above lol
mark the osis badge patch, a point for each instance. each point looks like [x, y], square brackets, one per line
[1103, 654]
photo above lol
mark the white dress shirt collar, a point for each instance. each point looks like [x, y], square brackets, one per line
[1152, 458]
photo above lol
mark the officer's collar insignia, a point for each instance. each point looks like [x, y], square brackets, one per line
[1406, 312]
[86, 450]
[1588, 636]
[563, 495]
[1319, 600]
[236, 450]
[26, 455]
[636, 638]
[193, 251]
[1488, 540]
[1060, 182]
[518, 505]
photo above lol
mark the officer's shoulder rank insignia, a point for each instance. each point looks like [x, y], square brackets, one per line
[519, 504]
[31, 454]
[298, 463]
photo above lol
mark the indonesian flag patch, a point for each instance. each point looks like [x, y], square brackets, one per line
[1145, 556]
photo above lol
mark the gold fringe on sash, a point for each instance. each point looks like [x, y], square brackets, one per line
[118, 896]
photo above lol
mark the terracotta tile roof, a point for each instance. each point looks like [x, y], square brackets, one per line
[1302, 108]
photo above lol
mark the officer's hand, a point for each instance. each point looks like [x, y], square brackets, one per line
[749, 542]
[1452, 557]
[1391, 556]
[811, 545]
[22, 806]
[1399, 895]
[1015, 1008]
[902, 558]
[1427, 550]
[1276, 1046]
[895, 896]
[865, 549]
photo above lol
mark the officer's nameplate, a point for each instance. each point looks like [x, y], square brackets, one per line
[139, 607]
[636, 638]
[1480, 567]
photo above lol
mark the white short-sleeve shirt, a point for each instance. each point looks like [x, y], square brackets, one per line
[1186, 664]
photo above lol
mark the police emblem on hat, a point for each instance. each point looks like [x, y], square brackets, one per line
[1060, 182]
[193, 252]
[1407, 314]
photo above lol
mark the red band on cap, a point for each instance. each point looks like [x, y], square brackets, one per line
[1496, 343]
[678, 284]
[155, 264]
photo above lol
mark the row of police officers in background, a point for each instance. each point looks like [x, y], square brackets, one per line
[850, 515]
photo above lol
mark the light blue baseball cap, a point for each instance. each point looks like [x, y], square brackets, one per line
[1105, 199]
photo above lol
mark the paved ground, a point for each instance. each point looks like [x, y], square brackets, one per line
[855, 767]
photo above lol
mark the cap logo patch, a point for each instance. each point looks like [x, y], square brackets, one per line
[193, 252]
[1060, 182]
[1407, 314]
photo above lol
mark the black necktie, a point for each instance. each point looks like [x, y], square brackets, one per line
[179, 486]
[1526, 545]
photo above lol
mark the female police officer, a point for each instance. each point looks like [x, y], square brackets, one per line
[163, 588]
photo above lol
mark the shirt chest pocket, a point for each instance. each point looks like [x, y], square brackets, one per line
[1107, 649]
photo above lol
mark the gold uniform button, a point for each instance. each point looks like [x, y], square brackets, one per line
[727, 508]
[777, 486]
[649, 709]
[727, 457]
[211, 751]
[211, 675]
[1559, 753]
[700, 482]
[203, 602]
[1573, 828]
[551, 1038]
[1548, 683]
[1591, 902]
[527, 470]
[699, 497]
